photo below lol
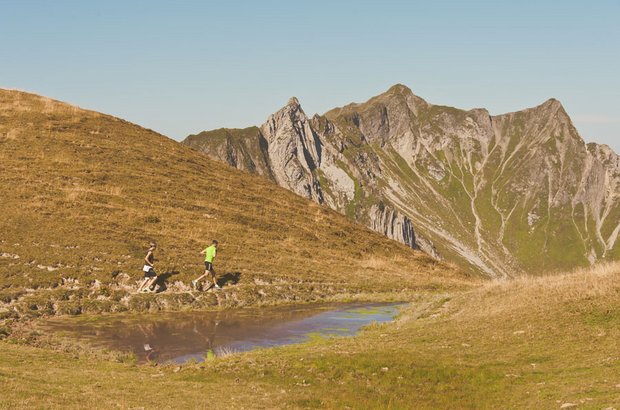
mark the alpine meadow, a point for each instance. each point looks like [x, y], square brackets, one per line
[310, 205]
[78, 210]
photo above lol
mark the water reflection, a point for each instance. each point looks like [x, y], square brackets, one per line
[180, 337]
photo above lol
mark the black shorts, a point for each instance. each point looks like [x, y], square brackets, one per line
[150, 274]
[209, 266]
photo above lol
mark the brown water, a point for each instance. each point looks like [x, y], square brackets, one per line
[179, 337]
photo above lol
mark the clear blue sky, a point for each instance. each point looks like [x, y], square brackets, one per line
[182, 67]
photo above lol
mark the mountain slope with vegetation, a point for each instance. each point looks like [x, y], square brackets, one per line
[82, 194]
[502, 195]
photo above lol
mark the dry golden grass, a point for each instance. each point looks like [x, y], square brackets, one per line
[500, 297]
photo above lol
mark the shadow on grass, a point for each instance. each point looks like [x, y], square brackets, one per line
[229, 278]
[162, 280]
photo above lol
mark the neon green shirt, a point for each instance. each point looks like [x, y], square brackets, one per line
[210, 253]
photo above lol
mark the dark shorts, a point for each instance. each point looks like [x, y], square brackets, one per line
[208, 266]
[150, 274]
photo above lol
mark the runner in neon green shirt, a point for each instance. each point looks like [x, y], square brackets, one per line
[209, 254]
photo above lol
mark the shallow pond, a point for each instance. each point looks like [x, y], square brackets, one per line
[180, 336]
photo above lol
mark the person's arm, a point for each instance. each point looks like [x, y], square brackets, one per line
[146, 259]
[202, 252]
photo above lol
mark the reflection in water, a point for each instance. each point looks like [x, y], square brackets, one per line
[180, 337]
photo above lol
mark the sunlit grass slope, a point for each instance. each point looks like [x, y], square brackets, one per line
[538, 343]
[82, 194]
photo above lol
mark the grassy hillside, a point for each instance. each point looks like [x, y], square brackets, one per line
[528, 343]
[82, 194]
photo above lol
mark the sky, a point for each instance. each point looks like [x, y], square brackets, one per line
[181, 67]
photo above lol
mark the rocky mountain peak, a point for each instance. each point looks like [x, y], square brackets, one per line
[550, 113]
[400, 97]
[291, 116]
[552, 106]
[292, 111]
[293, 102]
[399, 89]
[293, 149]
[554, 112]
[552, 102]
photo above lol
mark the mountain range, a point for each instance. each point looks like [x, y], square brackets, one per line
[500, 195]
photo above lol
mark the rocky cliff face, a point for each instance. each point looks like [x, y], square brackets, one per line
[519, 192]
[292, 150]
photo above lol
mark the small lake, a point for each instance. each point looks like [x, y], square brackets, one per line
[182, 336]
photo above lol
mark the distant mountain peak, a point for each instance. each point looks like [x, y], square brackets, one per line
[291, 111]
[553, 108]
[552, 103]
[293, 101]
[399, 88]
[403, 94]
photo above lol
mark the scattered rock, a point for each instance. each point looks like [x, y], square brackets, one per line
[568, 406]
[9, 255]
[48, 268]
[532, 218]
[258, 281]
[71, 283]
[518, 332]
[122, 277]
[179, 286]
[437, 171]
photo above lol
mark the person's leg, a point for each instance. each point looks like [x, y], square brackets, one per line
[207, 282]
[213, 278]
[195, 281]
[144, 281]
[149, 278]
[208, 267]
[151, 283]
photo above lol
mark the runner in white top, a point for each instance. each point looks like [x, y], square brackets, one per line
[149, 273]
